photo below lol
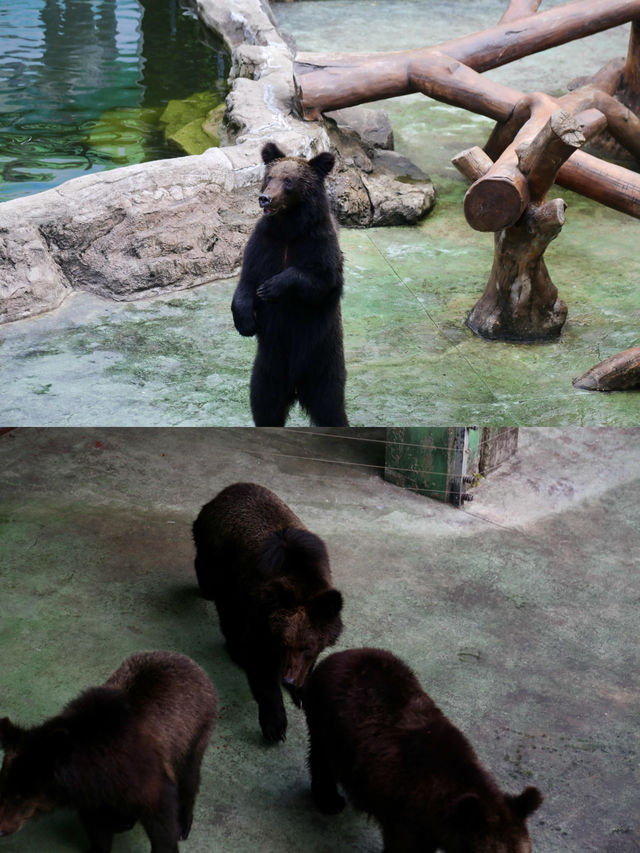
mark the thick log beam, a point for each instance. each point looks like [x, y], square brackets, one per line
[333, 82]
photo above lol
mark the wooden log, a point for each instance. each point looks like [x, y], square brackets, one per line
[520, 302]
[620, 372]
[446, 79]
[342, 80]
[519, 9]
[606, 183]
[621, 122]
[443, 78]
[527, 168]
[473, 163]
[608, 78]
[631, 74]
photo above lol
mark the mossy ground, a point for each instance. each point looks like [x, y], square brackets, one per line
[177, 360]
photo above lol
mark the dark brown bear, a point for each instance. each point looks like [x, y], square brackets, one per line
[271, 583]
[124, 752]
[289, 295]
[373, 730]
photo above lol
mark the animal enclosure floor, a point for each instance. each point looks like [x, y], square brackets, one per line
[519, 613]
[177, 360]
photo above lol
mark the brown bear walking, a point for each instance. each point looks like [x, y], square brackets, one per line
[373, 730]
[271, 583]
[289, 295]
[124, 752]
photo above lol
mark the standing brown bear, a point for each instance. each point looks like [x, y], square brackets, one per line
[271, 583]
[376, 732]
[289, 295]
[124, 752]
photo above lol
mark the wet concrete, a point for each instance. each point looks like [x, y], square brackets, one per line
[177, 360]
[519, 613]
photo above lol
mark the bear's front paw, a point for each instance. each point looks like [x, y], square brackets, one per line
[246, 325]
[270, 289]
[274, 725]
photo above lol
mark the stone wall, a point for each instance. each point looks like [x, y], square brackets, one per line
[174, 224]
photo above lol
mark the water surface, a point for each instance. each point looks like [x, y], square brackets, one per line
[84, 84]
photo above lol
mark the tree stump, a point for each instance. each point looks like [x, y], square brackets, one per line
[520, 302]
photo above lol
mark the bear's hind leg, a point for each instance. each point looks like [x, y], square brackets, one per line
[160, 821]
[100, 829]
[322, 397]
[188, 779]
[271, 399]
[324, 789]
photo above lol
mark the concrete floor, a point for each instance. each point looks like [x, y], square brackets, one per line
[519, 613]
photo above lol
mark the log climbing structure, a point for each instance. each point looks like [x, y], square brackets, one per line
[537, 140]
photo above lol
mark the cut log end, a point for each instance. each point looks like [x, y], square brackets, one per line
[492, 204]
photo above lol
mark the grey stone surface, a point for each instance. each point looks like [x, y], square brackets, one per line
[373, 126]
[174, 224]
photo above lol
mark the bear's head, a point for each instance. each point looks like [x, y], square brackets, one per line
[291, 181]
[22, 794]
[302, 629]
[498, 828]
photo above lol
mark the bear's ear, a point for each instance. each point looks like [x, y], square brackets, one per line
[325, 607]
[271, 152]
[525, 803]
[322, 164]
[467, 814]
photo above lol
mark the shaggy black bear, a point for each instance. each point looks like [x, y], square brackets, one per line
[271, 583]
[124, 752]
[373, 730]
[289, 295]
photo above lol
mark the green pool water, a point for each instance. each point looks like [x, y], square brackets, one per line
[87, 85]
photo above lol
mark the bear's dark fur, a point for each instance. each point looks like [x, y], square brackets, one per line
[124, 752]
[289, 295]
[373, 730]
[271, 583]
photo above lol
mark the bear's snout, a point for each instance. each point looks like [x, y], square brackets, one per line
[265, 202]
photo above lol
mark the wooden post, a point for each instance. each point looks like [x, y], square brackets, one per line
[520, 302]
[630, 89]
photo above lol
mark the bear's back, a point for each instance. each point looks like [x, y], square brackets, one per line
[171, 696]
[243, 515]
